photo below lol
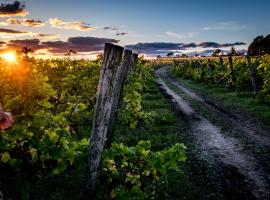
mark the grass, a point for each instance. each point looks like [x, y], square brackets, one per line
[235, 102]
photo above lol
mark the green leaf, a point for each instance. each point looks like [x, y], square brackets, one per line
[34, 154]
[5, 157]
[53, 137]
[45, 104]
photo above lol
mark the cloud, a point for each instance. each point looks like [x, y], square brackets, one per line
[43, 36]
[209, 44]
[160, 48]
[155, 47]
[190, 45]
[18, 44]
[181, 35]
[78, 44]
[13, 21]
[115, 30]
[2, 44]
[75, 25]
[32, 22]
[217, 45]
[23, 22]
[122, 33]
[111, 28]
[13, 45]
[11, 31]
[225, 26]
[12, 9]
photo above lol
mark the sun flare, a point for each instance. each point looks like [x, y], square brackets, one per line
[10, 57]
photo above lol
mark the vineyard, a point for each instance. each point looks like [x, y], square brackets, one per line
[239, 74]
[184, 129]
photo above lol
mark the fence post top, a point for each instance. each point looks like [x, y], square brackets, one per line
[111, 45]
[127, 51]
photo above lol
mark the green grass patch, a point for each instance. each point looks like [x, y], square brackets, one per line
[243, 103]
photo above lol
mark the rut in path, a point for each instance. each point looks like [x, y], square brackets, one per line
[217, 146]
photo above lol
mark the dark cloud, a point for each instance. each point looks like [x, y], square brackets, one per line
[111, 28]
[18, 44]
[209, 44]
[11, 31]
[190, 45]
[2, 43]
[159, 48]
[90, 41]
[25, 42]
[78, 44]
[155, 48]
[32, 22]
[12, 9]
[122, 33]
[46, 36]
[233, 44]
[217, 45]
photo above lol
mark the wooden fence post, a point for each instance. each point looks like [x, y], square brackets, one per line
[132, 66]
[210, 71]
[222, 69]
[252, 75]
[232, 69]
[109, 88]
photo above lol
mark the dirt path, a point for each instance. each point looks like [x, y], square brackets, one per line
[218, 147]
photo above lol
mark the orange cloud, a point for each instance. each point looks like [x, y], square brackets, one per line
[23, 22]
[75, 25]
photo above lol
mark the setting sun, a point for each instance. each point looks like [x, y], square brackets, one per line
[10, 57]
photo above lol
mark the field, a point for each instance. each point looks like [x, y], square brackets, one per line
[185, 129]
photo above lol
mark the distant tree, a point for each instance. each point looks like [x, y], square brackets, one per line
[170, 54]
[233, 52]
[259, 46]
[24, 52]
[158, 56]
[70, 52]
[184, 55]
[216, 52]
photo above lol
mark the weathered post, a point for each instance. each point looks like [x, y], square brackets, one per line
[252, 75]
[201, 70]
[222, 69]
[109, 88]
[232, 69]
[132, 66]
[210, 71]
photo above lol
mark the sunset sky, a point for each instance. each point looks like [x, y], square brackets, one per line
[152, 27]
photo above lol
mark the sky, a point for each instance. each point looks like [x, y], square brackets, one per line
[151, 27]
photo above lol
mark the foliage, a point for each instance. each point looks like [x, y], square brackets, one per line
[264, 73]
[134, 86]
[136, 172]
[52, 105]
[213, 72]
